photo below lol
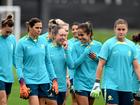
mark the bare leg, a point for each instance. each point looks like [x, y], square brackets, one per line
[136, 102]
[3, 97]
[33, 100]
[82, 100]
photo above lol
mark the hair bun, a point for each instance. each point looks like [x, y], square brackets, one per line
[9, 17]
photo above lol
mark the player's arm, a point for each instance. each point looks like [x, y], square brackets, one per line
[100, 68]
[136, 68]
[95, 92]
[94, 55]
[51, 71]
[19, 56]
[49, 64]
[79, 60]
[24, 91]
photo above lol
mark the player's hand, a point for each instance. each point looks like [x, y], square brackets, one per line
[96, 91]
[24, 91]
[92, 55]
[65, 44]
[55, 86]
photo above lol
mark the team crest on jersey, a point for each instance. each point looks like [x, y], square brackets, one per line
[110, 98]
[129, 53]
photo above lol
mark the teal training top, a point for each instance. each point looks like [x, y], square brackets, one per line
[136, 82]
[7, 53]
[71, 42]
[33, 61]
[85, 67]
[119, 57]
[44, 34]
[61, 59]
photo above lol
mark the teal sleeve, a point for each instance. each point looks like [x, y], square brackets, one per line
[49, 65]
[79, 60]
[104, 53]
[19, 60]
[14, 51]
[69, 60]
[135, 53]
[98, 48]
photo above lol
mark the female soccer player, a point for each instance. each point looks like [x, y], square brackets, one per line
[61, 59]
[71, 42]
[33, 65]
[85, 56]
[48, 35]
[7, 52]
[117, 57]
[136, 83]
[51, 25]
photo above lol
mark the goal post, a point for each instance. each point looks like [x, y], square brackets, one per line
[16, 12]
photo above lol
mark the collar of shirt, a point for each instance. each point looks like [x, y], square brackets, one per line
[4, 36]
[119, 42]
[30, 38]
[87, 44]
[55, 45]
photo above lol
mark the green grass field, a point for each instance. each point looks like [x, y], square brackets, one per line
[100, 35]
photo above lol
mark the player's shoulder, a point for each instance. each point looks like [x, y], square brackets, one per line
[12, 37]
[97, 42]
[109, 41]
[23, 39]
[130, 42]
[44, 34]
[78, 43]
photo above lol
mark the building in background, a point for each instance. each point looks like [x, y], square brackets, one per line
[102, 13]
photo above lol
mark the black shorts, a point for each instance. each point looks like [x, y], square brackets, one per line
[40, 90]
[6, 86]
[118, 97]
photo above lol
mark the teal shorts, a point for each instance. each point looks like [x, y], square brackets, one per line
[40, 90]
[6, 86]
